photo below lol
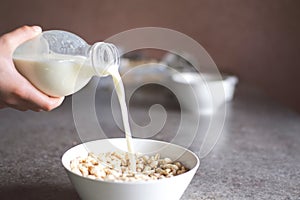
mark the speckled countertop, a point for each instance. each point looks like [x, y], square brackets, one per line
[257, 156]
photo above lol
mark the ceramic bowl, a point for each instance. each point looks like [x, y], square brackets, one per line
[166, 189]
[202, 93]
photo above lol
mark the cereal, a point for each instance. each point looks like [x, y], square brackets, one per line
[119, 167]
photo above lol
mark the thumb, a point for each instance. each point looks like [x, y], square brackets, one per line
[13, 39]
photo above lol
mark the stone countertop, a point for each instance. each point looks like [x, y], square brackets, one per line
[256, 157]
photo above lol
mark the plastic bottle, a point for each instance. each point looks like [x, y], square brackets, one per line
[60, 63]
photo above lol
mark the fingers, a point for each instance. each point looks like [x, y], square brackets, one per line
[57, 101]
[23, 95]
[18, 92]
[37, 100]
[10, 41]
[25, 104]
[53, 103]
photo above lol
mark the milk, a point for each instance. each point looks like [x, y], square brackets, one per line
[55, 75]
[119, 87]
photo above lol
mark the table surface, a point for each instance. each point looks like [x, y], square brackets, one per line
[256, 157]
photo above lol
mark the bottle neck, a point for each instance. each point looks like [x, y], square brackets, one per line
[104, 56]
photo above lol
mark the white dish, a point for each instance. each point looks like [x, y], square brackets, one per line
[202, 93]
[167, 189]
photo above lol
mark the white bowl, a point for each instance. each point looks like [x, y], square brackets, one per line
[202, 93]
[166, 189]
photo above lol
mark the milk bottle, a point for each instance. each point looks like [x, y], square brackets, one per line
[60, 63]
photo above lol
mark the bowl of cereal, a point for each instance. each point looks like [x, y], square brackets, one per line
[104, 170]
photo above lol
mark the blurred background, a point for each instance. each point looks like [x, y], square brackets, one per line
[258, 41]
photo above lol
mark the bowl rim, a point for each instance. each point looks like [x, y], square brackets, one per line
[194, 168]
[211, 78]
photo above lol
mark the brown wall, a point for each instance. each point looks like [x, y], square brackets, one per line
[259, 40]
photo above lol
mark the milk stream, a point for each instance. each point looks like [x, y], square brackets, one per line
[119, 87]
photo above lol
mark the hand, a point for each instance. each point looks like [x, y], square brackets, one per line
[15, 90]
